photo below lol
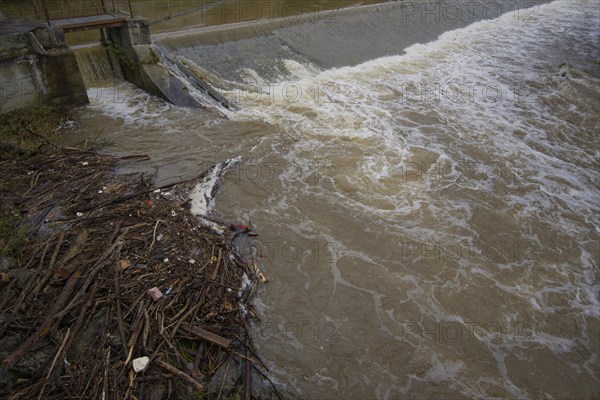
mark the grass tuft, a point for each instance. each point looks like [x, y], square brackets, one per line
[27, 130]
[12, 237]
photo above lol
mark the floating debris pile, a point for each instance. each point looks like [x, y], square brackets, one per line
[121, 291]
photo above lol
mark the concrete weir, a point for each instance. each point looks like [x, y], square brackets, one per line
[254, 55]
[188, 68]
[37, 65]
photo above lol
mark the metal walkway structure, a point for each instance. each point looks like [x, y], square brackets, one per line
[87, 23]
[97, 14]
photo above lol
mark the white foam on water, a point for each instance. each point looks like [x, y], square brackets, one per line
[129, 103]
[346, 102]
[203, 194]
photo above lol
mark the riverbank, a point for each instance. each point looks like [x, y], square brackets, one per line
[112, 287]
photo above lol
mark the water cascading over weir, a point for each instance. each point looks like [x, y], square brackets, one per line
[256, 55]
[193, 67]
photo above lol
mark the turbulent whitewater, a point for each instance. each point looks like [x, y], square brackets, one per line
[428, 217]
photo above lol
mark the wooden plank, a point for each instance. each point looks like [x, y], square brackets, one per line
[82, 26]
[181, 375]
[206, 335]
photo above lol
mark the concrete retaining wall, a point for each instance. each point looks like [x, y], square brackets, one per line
[36, 65]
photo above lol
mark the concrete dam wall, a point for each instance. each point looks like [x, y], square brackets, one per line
[327, 39]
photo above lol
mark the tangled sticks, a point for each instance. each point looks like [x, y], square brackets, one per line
[121, 291]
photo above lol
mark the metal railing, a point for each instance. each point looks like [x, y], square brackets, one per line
[42, 12]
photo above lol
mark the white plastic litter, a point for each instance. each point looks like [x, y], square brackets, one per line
[139, 364]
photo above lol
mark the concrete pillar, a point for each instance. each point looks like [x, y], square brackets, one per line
[37, 65]
[141, 63]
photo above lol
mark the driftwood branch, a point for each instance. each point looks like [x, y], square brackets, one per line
[85, 299]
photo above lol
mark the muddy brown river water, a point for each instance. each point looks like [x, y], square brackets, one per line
[428, 219]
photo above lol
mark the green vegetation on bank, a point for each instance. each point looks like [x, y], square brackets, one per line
[12, 237]
[23, 132]
[28, 130]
